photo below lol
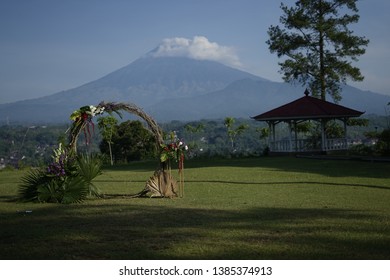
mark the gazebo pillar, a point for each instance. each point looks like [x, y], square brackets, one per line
[272, 135]
[323, 137]
[290, 128]
[345, 133]
[296, 137]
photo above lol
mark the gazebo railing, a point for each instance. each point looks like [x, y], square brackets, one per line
[336, 144]
[307, 145]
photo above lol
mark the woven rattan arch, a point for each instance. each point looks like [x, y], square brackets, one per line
[161, 184]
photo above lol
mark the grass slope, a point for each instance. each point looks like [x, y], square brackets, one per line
[265, 208]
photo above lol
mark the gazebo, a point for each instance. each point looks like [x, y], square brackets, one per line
[304, 109]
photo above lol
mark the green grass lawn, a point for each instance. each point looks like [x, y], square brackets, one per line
[264, 208]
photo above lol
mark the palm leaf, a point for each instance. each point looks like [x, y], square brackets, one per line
[28, 189]
[76, 190]
[51, 191]
[89, 167]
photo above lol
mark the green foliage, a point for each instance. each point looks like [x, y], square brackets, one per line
[30, 184]
[175, 150]
[318, 45]
[361, 150]
[334, 129]
[358, 122]
[232, 131]
[89, 167]
[76, 190]
[384, 142]
[130, 141]
[264, 132]
[30, 145]
[108, 126]
[210, 140]
[213, 141]
[193, 131]
[74, 185]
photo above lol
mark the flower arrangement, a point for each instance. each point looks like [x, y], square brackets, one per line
[62, 164]
[86, 113]
[57, 167]
[82, 119]
[174, 151]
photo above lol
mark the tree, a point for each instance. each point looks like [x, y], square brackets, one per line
[191, 132]
[107, 126]
[132, 141]
[233, 132]
[318, 45]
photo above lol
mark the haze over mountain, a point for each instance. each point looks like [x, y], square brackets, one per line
[180, 88]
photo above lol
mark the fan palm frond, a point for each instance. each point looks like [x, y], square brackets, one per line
[28, 189]
[51, 191]
[89, 167]
[76, 190]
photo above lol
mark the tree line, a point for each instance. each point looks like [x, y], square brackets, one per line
[130, 141]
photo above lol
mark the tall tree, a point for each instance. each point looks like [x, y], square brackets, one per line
[108, 126]
[233, 132]
[319, 45]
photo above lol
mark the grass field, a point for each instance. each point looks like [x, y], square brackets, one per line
[263, 208]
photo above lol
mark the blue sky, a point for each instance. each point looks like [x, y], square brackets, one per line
[47, 46]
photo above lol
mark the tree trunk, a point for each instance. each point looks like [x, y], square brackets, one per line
[321, 45]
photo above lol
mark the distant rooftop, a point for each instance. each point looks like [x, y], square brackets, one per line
[306, 108]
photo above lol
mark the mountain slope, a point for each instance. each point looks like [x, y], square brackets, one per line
[246, 98]
[144, 82]
[178, 88]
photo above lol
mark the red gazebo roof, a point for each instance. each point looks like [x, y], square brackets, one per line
[306, 108]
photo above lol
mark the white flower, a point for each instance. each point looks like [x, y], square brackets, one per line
[96, 111]
[99, 110]
[92, 110]
[180, 143]
[186, 148]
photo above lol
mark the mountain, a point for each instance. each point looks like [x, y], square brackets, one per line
[178, 88]
[241, 98]
[145, 82]
[247, 98]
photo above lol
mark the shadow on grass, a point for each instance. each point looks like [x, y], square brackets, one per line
[123, 231]
[292, 183]
[8, 198]
[333, 168]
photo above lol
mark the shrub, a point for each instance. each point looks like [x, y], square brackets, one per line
[67, 179]
[384, 143]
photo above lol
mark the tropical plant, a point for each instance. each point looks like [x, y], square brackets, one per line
[89, 167]
[192, 131]
[108, 127]
[233, 132]
[28, 189]
[67, 180]
[174, 150]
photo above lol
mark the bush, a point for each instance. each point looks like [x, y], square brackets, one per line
[384, 143]
[361, 150]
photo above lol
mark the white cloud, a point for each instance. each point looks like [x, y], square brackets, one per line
[197, 48]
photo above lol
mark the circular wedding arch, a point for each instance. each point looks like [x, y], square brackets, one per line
[161, 184]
